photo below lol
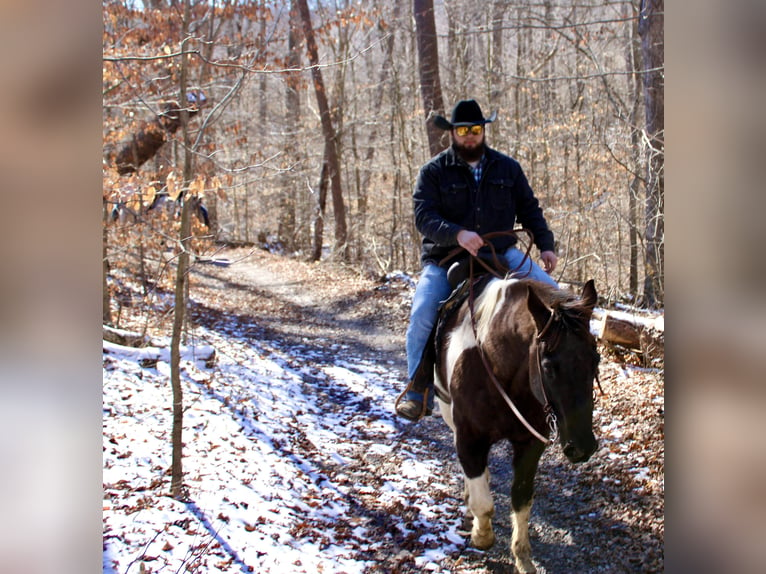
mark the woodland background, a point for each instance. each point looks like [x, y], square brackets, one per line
[305, 124]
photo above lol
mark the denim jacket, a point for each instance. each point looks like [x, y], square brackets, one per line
[447, 200]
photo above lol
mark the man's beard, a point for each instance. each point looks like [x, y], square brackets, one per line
[469, 154]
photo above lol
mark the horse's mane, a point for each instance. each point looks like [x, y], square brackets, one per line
[486, 303]
[565, 305]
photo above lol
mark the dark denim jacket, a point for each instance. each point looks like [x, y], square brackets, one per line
[447, 200]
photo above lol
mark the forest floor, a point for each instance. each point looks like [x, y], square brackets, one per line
[605, 515]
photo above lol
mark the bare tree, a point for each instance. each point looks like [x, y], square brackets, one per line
[331, 149]
[176, 480]
[430, 85]
[288, 214]
[633, 55]
[651, 28]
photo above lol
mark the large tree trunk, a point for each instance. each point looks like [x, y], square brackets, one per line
[634, 55]
[430, 85]
[333, 165]
[288, 213]
[651, 28]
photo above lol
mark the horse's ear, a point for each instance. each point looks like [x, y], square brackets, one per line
[539, 310]
[589, 295]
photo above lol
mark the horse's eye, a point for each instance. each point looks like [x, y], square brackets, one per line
[547, 366]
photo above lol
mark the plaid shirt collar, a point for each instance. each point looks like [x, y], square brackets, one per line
[478, 171]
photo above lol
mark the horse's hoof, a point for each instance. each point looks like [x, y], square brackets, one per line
[525, 567]
[483, 541]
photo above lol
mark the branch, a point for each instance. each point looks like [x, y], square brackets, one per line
[599, 76]
[245, 68]
[151, 58]
[545, 26]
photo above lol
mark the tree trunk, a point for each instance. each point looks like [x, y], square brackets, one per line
[373, 135]
[176, 479]
[499, 8]
[333, 164]
[651, 28]
[316, 253]
[430, 85]
[288, 214]
[106, 300]
[146, 142]
[634, 56]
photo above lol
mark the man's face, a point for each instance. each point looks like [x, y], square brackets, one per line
[469, 141]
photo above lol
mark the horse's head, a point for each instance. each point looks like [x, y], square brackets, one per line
[563, 364]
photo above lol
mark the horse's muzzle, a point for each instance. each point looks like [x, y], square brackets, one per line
[580, 452]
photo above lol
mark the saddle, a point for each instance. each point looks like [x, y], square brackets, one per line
[462, 283]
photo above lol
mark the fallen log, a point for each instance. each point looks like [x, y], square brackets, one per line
[643, 334]
[124, 338]
[148, 357]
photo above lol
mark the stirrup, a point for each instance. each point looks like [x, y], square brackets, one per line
[424, 410]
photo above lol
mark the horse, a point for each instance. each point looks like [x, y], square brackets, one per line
[516, 362]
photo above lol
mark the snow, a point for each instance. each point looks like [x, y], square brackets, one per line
[273, 448]
[294, 461]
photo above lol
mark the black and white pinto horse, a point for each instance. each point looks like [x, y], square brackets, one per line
[514, 363]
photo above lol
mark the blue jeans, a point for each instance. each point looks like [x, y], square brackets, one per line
[431, 290]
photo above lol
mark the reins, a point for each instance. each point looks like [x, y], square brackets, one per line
[549, 411]
[498, 265]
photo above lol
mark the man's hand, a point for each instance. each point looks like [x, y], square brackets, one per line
[471, 241]
[549, 261]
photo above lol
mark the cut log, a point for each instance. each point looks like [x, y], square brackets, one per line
[643, 334]
[620, 331]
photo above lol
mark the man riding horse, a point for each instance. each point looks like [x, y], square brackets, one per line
[466, 191]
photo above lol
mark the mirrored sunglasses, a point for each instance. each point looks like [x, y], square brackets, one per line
[465, 130]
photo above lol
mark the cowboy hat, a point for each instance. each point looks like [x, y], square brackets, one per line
[465, 113]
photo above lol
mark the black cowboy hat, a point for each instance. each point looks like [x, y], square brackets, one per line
[465, 113]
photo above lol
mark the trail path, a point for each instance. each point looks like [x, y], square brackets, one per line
[385, 493]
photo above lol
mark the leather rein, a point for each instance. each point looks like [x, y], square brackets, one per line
[551, 417]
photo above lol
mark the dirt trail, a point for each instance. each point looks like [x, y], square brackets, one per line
[330, 313]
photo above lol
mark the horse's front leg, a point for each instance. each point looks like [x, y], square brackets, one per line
[468, 522]
[473, 455]
[526, 456]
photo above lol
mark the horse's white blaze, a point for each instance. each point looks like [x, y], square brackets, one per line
[520, 547]
[482, 507]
